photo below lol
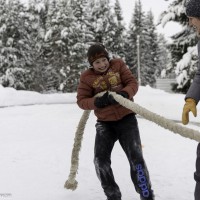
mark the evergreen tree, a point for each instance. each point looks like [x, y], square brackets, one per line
[15, 46]
[181, 41]
[3, 39]
[43, 46]
[134, 37]
[52, 47]
[77, 36]
[101, 22]
[36, 25]
[149, 53]
[165, 68]
[118, 47]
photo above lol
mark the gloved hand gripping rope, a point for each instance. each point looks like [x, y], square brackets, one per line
[71, 183]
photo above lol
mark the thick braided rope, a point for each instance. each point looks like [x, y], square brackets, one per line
[71, 183]
[161, 121]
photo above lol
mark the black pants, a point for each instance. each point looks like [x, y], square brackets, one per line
[197, 175]
[126, 131]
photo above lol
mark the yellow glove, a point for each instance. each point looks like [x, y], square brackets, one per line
[190, 105]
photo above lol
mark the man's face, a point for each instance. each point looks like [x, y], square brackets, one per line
[195, 23]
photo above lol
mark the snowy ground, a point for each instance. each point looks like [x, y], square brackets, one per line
[36, 143]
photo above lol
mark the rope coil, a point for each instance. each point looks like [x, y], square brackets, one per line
[71, 183]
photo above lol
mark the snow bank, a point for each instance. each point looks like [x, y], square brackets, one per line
[12, 97]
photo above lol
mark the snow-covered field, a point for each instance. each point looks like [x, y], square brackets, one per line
[36, 142]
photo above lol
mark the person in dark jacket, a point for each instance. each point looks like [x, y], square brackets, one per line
[114, 122]
[193, 95]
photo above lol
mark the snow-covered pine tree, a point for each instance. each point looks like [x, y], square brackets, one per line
[51, 48]
[135, 29]
[15, 46]
[180, 43]
[77, 35]
[164, 67]
[35, 20]
[149, 51]
[119, 39]
[102, 23]
[3, 38]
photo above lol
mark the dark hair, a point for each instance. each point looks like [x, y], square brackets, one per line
[193, 8]
[96, 51]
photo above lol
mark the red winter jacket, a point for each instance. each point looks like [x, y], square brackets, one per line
[117, 78]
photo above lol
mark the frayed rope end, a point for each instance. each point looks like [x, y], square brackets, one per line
[71, 185]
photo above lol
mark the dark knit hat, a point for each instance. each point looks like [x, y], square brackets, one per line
[96, 51]
[193, 8]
